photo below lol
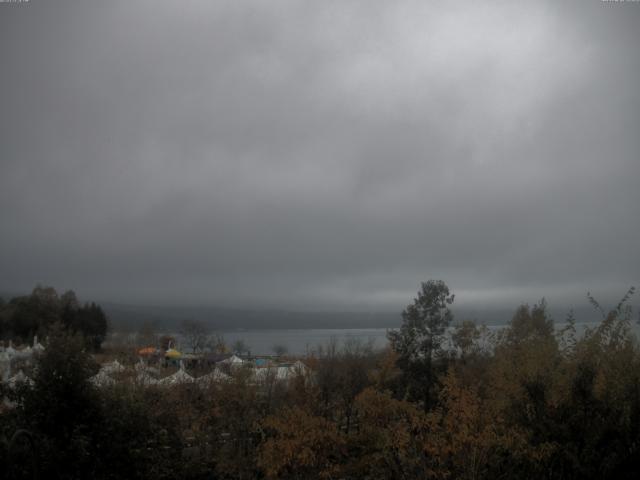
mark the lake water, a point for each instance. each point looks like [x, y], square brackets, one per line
[302, 341]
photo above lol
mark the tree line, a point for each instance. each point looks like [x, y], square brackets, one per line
[23, 317]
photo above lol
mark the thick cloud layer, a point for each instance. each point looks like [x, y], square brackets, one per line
[323, 155]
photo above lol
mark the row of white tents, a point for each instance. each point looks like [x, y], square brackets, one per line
[146, 375]
[17, 379]
[10, 356]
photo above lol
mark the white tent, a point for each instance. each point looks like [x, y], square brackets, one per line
[145, 379]
[4, 357]
[274, 373]
[263, 374]
[216, 376]
[233, 360]
[177, 378]
[10, 351]
[280, 373]
[112, 367]
[140, 366]
[284, 373]
[19, 354]
[299, 368]
[102, 379]
[26, 352]
[18, 378]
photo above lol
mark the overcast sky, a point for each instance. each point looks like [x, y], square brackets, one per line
[320, 155]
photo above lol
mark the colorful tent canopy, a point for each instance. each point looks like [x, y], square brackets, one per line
[172, 353]
[261, 362]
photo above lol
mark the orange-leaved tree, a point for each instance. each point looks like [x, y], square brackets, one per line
[301, 446]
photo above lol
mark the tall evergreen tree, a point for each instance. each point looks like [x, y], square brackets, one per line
[419, 341]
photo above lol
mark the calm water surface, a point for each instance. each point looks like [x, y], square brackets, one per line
[303, 341]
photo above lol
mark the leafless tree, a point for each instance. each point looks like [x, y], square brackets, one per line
[195, 334]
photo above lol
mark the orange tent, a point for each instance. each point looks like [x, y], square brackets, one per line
[146, 351]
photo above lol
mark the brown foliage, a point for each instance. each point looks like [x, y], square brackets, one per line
[301, 446]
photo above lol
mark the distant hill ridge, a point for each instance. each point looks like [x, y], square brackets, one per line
[130, 317]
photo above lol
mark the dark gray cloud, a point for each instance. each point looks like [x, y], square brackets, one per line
[320, 154]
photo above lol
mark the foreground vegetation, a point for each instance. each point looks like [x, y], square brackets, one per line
[530, 401]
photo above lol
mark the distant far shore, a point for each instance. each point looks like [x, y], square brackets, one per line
[131, 317]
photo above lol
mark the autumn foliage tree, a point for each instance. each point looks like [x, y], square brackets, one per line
[301, 445]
